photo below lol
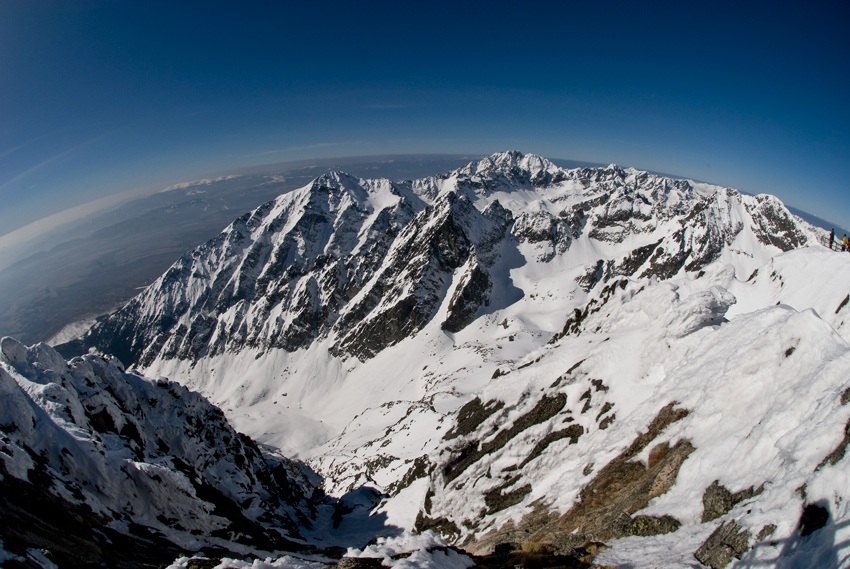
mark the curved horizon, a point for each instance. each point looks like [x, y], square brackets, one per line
[117, 96]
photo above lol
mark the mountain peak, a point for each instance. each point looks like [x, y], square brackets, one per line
[510, 169]
[514, 159]
[336, 179]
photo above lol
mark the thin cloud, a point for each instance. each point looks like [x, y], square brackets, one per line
[32, 169]
[24, 145]
[17, 243]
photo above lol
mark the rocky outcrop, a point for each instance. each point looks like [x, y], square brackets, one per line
[718, 501]
[729, 541]
[619, 489]
[276, 278]
[774, 225]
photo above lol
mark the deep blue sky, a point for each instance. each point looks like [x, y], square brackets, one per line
[104, 96]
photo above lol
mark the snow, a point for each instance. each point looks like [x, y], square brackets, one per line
[284, 562]
[757, 416]
[72, 331]
[407, 551]
[754, 345]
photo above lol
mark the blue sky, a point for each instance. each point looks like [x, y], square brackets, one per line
[98, 97]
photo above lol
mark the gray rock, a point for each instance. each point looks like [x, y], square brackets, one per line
[727, 542]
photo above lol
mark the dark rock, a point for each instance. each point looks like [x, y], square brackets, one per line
[592, 275]
[664, 264]
[839, 452]
[102, 421]
[573, 432]
[497, 500]
[843, 304]
[646, 526]
[360, 563]
[716, 501]
[623, 486]
[471, 293]
[471, 415]
[417, 277]
[766, 532]
[605, 408]
[579, 558]
[606, 422]
[201, 563]
[634, 260]
[775, 224]
[546, 408]
[32, 517]
[727, 542]
[418, 470]
[505, 549]
[573, 325]
[442, 526]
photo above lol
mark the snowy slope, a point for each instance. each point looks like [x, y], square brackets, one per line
[485, 348]
[758, 403]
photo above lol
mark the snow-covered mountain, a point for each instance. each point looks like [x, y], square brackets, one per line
[367, 263]
[523, 356]
[93, 454]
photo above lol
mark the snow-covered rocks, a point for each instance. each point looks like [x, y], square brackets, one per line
[133, 459]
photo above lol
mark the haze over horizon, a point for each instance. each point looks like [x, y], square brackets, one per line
[104, 97]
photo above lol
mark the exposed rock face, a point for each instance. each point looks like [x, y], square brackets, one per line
[775, 225]
[718, 501]
[417, 273]
[71, 533]
[729, 541]
[274, 278]
[401, 299]
[472, 292]
[606, 505]
[368, 262]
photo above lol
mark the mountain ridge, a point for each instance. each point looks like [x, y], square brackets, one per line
[510, 175]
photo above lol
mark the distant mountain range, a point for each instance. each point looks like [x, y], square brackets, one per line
[55, 285]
